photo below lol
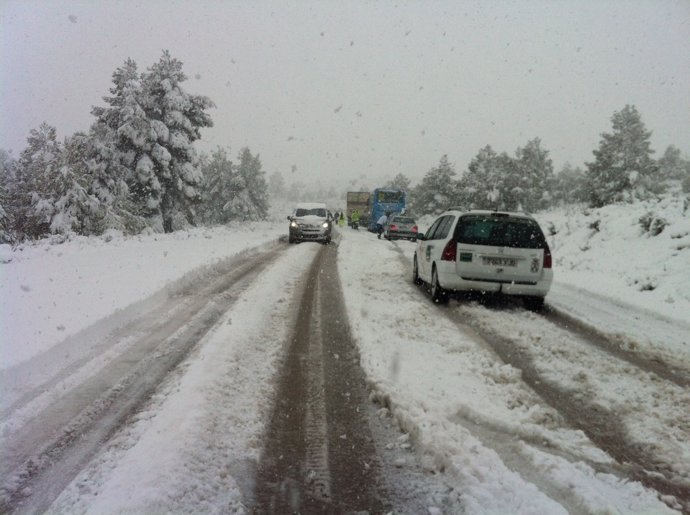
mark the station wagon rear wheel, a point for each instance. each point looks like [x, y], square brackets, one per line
[415, 272]
[534, 303]
[438, 294]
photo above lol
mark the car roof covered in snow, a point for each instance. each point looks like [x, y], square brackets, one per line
[310, 205]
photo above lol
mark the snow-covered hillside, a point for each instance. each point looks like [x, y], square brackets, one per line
[639, 253]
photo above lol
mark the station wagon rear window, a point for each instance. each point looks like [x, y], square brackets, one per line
[521, 233]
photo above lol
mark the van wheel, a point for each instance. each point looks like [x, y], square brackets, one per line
[415, 272]
[438, 294]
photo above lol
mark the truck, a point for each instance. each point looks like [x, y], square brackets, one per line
[358, 200]
[386, 201]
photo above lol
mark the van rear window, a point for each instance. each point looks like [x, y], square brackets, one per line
[521, 233]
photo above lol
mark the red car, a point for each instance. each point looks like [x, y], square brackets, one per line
[400, 227]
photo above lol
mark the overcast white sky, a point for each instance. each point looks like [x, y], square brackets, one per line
[345, 90]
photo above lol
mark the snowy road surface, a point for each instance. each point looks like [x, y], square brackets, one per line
[188, 402]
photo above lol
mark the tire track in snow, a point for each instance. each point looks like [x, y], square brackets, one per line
[318, 455]
[603, 342]
[318, 473]
[603, 427]
[48, 452]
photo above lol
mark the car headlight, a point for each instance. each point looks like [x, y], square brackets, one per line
[324, 225]
[294, 224]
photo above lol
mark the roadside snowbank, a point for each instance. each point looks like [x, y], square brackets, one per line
[609, 252]
[49, 292]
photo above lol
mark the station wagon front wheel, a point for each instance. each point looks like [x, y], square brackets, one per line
[438, 294]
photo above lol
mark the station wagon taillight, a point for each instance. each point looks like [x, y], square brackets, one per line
[394, 227]
[414, 228]
[449, 251]
[547, 258]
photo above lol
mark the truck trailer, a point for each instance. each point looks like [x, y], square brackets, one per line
[358, 200]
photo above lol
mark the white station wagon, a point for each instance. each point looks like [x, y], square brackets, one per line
[487, 252]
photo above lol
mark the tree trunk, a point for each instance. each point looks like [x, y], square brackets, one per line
[167, 211]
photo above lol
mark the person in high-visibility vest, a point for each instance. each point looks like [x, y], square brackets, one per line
[355, 219]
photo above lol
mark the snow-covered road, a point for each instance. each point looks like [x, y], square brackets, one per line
[469, 382]
[495, 409]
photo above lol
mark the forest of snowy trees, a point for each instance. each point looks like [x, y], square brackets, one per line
[623, 170]
[137, 170]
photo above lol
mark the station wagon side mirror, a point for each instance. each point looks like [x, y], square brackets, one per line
[421, 236]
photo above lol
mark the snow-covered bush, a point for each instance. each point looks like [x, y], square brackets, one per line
[652, 224]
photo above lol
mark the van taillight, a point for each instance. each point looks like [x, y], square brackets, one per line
[449, 251]
[547, 258]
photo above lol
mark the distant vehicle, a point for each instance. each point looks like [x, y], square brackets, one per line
[484, 251]
[310, 222]
[400, 227]
[387, 201]
[358, 201]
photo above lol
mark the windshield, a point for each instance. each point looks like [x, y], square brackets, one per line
[389, 197]
[402, 220]
[520, 233]
[314, 212]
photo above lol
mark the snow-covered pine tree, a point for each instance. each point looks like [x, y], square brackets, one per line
[107, 183]
[399, 181]
[569, 185]
[33, 200]
[7, 166]
[122, 149]
[175, 118]
[672, 165]
[437, 191]
[217, 170]
[623, 167]
[249, 190]
[510, 186]
[74, 208]
[483, 185]
[534, 176]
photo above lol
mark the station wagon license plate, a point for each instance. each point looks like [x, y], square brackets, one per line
[499, 261]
